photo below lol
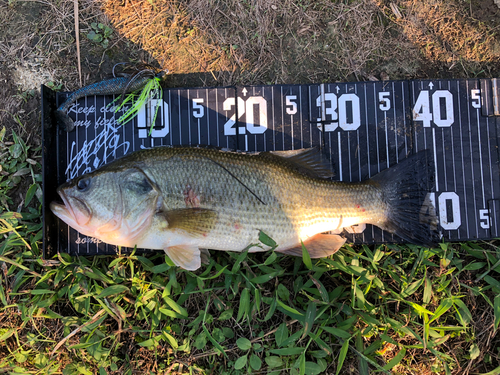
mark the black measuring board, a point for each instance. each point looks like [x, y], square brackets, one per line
[448, 119]
[364, 127]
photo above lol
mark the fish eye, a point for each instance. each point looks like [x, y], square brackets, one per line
[83, 184]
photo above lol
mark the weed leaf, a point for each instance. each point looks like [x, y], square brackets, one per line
[241, 362]
[243, 343]
[397, 358]
[274, 361]
[342, 355]
[305, 257]
[114, 289]
[255, 362]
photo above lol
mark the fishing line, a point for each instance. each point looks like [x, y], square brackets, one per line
[236, 178]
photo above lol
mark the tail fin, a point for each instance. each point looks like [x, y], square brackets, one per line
[405, 187]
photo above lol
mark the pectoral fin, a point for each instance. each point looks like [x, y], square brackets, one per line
[196, 222]
[187, 257]
[318, 246]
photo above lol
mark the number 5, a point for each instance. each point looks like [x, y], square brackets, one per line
[383, 99]
[475, 95]
[288, 101]
[484, 214]
[198, 110]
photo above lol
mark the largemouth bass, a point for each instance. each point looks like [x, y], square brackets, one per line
[183, 199]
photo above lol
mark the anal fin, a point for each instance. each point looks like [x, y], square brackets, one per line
[355, 229]
[187, 257]
[318, 246]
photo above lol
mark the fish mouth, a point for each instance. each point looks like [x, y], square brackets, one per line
[72, 211]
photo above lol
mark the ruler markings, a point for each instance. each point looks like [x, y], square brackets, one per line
[367, 134]
[273, 114]
[491, 177]
[435, 158]
[255, 135]
[486, 99]
[480, 154]
[87, 247]
[443, 148]
[340, 156]
[301, 118]
[496, 218]
[226, 118]
[463, 164]
[77, 146]
[377, 137]
[489, 186]
[282, 118]
[404, 116]
[490, 161]
[180, 121]
[309, 114]
[214, 109]
[349, 152]
[471, 161]
[291, 125]
[217, 133]
[414, 127]
[454, 171]
[264, 138]
[376, 130]
[387, 146]
[445, 176]
[190, 142]
[452, 138]
[358, 150]
[207, 115]
[190, 114]
[395, 121]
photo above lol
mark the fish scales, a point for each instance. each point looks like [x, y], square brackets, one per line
[293, 204]
[182, 199]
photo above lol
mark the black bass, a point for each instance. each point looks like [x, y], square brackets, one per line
[183, 199]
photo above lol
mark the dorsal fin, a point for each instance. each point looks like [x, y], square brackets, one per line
[310, 161]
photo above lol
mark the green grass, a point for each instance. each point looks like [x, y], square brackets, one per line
[368, 309]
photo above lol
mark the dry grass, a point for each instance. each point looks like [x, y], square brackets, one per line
[458, 36]
[168, 33]
[302, 41]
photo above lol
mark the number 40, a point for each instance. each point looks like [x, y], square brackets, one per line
[422, 109]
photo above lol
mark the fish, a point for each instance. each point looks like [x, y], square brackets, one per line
[121, 85]
[185, 200]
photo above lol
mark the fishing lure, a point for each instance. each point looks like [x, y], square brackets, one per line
[131, 80]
